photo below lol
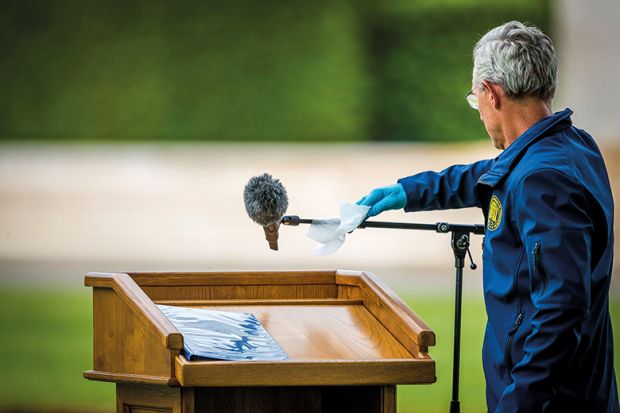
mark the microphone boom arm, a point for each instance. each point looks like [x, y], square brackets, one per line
[440, 227]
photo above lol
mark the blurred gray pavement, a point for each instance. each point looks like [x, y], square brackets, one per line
[69, 209]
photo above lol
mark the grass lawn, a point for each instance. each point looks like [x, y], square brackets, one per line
[438, 313]
[47, 344]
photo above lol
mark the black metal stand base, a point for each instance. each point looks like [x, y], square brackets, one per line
[460, 246]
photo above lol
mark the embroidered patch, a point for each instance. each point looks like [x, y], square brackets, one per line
[495, 214]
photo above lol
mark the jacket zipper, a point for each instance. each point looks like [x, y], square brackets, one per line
[511, 334]
[519, 319]
[538, 267]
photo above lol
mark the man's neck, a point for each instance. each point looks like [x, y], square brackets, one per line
[522, 115]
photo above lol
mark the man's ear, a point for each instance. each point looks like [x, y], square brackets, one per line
[496, 93]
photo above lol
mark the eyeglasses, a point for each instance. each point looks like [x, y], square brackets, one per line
[472, 99]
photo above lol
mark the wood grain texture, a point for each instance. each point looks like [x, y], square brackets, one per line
[399, 307]
[348, 277]
[188, 400]
[136, 299]
[128, 378]
[233, 278]
[242, 292]
[258, 400]
[137, 398]
[372, 287]
[146, 398]
[404, 324]
[305, 373]
[325, 332]
[122, 341]
[232, 302]
[340, 328]
[388, 399]
[350, 292]
[394, 314]
[308, 399]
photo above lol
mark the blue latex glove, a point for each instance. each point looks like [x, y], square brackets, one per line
[384, 198]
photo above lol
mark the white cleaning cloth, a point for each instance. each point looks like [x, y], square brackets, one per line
[331, 233]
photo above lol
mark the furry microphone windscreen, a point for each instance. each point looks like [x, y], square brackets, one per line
[265, 199]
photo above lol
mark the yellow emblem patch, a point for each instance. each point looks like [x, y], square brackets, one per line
[495, 214]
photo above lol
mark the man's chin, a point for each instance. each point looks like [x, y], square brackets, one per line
[498, 144]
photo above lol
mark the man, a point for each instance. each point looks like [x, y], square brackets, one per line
[548, 247]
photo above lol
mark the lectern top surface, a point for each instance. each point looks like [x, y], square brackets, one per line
[325, 332]
[337, 327]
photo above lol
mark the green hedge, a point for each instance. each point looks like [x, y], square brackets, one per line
[240, 71]
[151, 69]
[421, 60]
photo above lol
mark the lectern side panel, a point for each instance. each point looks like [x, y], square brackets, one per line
[324, 399]
[124, 343]
[258, 400]
[358, 399]
[396, 327]
[396, 317]
[143, 398]
[396, 309]
[402, 322]
[219, 292]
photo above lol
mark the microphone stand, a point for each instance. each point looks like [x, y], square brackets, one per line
[460, 242]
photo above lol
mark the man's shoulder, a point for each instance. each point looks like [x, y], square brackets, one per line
[570, 152]
[568, 161]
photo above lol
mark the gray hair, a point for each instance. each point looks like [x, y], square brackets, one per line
[519, 58]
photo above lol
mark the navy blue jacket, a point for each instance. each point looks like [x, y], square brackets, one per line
[548, 252]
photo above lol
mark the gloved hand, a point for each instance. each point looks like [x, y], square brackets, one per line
[384, 198]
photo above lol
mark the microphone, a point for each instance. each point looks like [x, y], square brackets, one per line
[266, 201]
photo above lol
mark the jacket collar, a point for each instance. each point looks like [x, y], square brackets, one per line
[505, 162]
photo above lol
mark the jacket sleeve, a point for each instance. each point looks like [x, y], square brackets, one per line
[556, 229]
[454, 187]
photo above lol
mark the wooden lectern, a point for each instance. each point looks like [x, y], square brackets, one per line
[349, 339]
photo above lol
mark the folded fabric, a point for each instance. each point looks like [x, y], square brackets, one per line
[331, 233]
